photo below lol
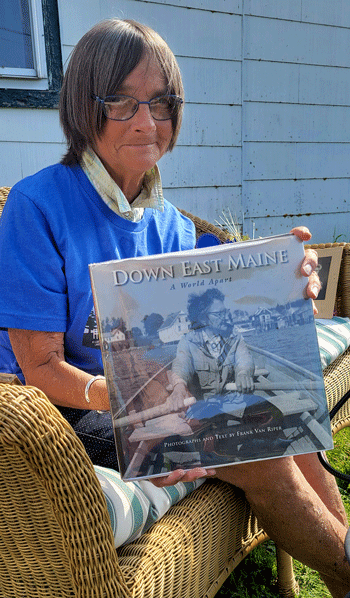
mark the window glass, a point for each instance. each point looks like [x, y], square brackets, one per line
[30, 54]
[16, 46]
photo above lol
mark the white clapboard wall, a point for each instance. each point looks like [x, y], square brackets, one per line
[296, 116]
[266, 130]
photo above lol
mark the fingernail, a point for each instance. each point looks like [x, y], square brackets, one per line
[315, 290]
[308, 269]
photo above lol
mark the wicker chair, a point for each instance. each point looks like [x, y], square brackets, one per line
[337, 375]
[55, 535]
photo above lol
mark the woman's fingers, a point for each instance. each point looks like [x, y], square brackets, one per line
[310, 262]
[314, 286]
[308, 268]
[179, 475]
[309, 265]
[302, 232]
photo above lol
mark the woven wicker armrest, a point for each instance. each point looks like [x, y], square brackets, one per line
[55, 533]
[203, 226]
[4, 191]
[194, 547]
[337, 384]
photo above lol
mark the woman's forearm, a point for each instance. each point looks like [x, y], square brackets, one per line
[41, 357]
[65, 386]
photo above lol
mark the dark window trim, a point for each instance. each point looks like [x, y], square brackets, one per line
[46, 98]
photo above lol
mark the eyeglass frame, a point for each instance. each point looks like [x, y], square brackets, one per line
[222, 314]
[102, 101]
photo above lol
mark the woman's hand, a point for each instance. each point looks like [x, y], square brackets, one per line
[179, 475]
[309, 265]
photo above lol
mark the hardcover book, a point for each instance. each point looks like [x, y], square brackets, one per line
[211, 357]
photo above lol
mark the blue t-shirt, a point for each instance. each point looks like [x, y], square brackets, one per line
[53, 226]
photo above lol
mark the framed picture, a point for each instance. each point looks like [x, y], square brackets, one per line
[329, 260]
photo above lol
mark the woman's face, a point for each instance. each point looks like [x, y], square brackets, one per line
[129, 148]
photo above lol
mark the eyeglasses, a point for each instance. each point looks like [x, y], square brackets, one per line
[222, 314]
[125, 107]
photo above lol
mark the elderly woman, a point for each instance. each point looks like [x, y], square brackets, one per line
[121, 108]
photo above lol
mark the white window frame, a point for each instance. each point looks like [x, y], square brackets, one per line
[38, 44]
[42, 89]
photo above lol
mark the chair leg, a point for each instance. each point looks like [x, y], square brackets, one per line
[287, 584]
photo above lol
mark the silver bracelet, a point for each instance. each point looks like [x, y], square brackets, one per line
[87, 387]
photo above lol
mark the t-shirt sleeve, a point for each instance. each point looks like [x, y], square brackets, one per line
[33, 286]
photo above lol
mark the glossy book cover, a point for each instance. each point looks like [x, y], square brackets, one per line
[211, 357]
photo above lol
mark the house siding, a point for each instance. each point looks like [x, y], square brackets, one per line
[296, 115]
[266, 126]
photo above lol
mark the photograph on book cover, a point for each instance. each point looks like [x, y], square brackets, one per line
[211, 357]
[329, 260]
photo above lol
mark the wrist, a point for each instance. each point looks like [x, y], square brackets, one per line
[95, 393]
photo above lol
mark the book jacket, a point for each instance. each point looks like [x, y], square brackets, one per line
[211, 357]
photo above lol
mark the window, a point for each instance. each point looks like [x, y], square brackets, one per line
[30, 53]
[21, 30]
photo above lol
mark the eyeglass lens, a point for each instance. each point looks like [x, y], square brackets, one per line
[124, 107]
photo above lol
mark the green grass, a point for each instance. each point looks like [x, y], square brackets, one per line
[256, 576]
